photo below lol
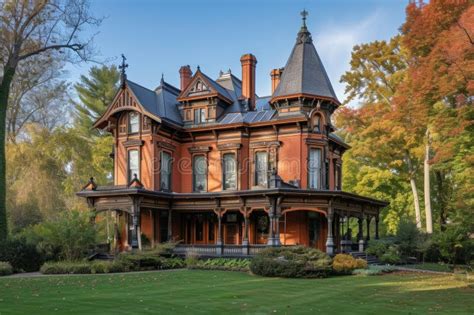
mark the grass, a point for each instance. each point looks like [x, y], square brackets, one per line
[219, 292]
[437, 267]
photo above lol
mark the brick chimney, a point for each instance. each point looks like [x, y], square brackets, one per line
[185, 75]
[275, 74]
[249, 62]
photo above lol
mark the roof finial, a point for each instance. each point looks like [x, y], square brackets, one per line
[304, 14]
[198, 68]
[162, 77]
[123, 75]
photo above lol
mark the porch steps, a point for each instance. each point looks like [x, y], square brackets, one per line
[371, 260]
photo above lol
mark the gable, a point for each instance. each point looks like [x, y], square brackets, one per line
[201, 86]
[124, 100]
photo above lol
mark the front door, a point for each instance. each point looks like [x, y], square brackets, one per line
[231, 234]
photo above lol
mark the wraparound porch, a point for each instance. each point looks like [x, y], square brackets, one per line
[236, 223]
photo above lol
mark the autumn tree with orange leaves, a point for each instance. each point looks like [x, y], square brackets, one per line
[412, 133]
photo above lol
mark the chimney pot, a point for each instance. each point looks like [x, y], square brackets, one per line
[185, 75]
[275, 74]
[249, 63]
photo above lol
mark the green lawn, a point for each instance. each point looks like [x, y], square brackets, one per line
[218, 292]
[438, 267]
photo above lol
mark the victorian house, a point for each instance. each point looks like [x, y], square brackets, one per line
[226, 172]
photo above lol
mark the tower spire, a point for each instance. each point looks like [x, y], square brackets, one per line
[123, 74]
[304, 36]
[304, 14]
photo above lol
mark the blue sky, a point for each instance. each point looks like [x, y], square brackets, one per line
[162, 35]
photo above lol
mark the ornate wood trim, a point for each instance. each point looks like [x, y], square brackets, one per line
[229, 146]
[133, 143]
[264, 144]
[164, 145]
[200, 149]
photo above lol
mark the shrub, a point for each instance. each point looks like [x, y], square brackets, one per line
[377, 247]
[21, 255]
[373, 270]
[150, 260]
[291, 262]
[84, 267]
[454, 244]
[408, 239]
[391, 256]
[66, 267]
[229, 264]
[5, 268]
[345, 264]
[69, 236]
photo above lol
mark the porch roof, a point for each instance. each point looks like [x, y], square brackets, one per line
[110, 191]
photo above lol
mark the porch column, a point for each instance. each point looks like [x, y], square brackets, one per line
[219, 244]
[135, 228]
[271, 231]
[330, 237]
[377, 227]
[245, 239]
[368, 228]
[276, 220]
[360, 237]
[170, 226]
[152, 219]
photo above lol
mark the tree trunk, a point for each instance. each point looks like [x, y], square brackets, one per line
[414, 190]
[427, 189]
[9, 72]
[416, 202]
[441, 199]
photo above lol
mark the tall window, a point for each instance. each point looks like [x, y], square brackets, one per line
[199, 116]
[199, 173]
[314, 168]
[261, 169]
[337, 176]
[133, 165]
[229, 167]
[165, 171]
[133, 122]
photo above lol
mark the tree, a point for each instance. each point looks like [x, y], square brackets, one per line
[33, 28]
[95, 92]
[439, 38]
[382, 131]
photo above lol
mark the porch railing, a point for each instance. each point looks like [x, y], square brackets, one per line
[215, 250]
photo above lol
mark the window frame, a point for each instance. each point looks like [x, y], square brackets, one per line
[224, 169]
[130, 174]
[130, 115]
[205, 174]
[199, 116]
[256, 169]
[314, 170]
[170, 168]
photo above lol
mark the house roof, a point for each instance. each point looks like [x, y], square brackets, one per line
[161, 102]
[304, 72]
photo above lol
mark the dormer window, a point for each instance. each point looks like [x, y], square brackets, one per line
[133, 122]
[316, 123]
[199, 116]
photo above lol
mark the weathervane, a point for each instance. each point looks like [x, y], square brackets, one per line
[123, 75]
[304, 14]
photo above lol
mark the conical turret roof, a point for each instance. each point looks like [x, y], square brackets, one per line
[304, 72]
